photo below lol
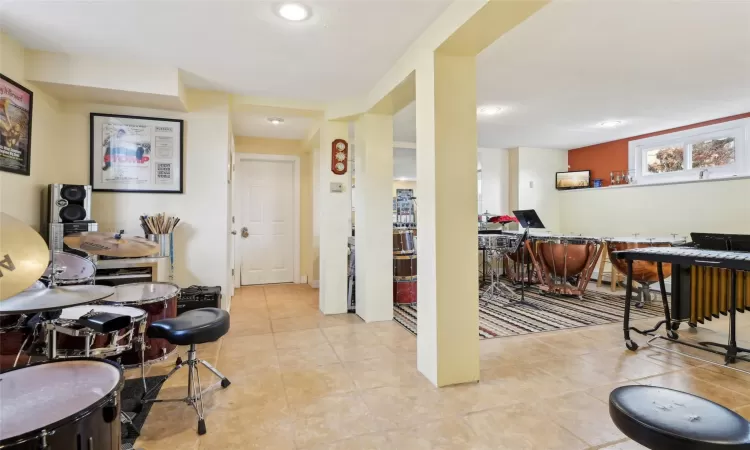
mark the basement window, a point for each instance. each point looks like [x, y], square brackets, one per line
[713, 151]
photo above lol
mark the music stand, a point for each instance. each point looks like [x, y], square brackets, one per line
[528, 218]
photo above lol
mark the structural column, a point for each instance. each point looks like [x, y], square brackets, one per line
[334, 221]
[373, 207]
[448, 314]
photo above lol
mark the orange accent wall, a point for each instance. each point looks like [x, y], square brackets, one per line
[601, 159]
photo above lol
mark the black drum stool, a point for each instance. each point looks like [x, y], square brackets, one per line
[665, 419]
[198, 326]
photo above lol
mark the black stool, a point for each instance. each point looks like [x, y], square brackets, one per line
[665, 419]
[198, 326]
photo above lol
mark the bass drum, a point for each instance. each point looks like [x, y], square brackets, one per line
[70, 404]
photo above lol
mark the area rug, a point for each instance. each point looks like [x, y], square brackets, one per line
[544, 312]
[131, 395]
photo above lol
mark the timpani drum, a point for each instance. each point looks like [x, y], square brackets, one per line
[70, 404]
[644, 272]
[563, 260]
[102, 345]
[159, 301]
[70, 270]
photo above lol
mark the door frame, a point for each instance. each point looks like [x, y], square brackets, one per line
[295, 160]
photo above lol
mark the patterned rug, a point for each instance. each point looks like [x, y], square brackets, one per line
[498, 318]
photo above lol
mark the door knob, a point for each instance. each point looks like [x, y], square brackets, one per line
[245, 232]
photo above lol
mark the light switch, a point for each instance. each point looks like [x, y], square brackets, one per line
[337, 187]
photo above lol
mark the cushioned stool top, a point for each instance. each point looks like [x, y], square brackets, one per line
[192, 327]
[661, 419]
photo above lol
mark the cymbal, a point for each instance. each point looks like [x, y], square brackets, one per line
[107, 244]
[59, 297]
[23, 256]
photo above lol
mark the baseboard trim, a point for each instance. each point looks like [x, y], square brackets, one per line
[315, 284]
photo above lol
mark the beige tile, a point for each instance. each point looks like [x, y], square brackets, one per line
[444, 434]
[263, 391]
[359, 352]
[256, 326]
[622, 364]
[169, 425]
[522, 428]
[236, 366]
[625, 445]
[402, 406]
[502, 351]
[683, 381]
[722, 377]
[241, 345]
[350, 335]
[303, 386]
[332, 418]
[299, 339]
[579, 371]
[300, 358]
[601, 393]
[472, 397]
[744, 411]
[527, 382]
[374, 373]
[571, 342]
[295, 323]
[584, 416]
[377, 441]
[245, 429]
[337, 320]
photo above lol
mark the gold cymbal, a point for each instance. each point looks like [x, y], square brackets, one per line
[23, 256]
[107, 244]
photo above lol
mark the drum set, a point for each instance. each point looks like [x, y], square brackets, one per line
[64, 340]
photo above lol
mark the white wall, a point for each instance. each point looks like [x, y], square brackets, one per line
[532, 172]
[495, 183]
[708, 206]
[201, 252]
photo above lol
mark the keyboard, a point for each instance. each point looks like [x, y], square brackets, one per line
[688, 256]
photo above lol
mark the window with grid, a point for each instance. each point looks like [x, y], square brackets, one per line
[714, 151]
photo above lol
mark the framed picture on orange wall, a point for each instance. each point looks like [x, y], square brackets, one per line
[16, 108]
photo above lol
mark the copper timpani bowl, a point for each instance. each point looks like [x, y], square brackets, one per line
[567, 256]
[643, 271]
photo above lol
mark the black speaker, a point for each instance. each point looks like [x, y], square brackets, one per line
[66, 203]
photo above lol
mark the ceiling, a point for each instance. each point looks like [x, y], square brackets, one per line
[257, 125]
[235, 46]
[651, 64]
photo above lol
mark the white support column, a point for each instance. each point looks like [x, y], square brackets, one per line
[334, 219]
[374, 216]
[448, 314]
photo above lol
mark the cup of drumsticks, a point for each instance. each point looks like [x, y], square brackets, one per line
[159, 229]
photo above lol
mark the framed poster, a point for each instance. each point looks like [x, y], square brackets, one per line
[136, 154]
[15, 127]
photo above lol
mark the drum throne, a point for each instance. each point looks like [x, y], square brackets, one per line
[191, 328]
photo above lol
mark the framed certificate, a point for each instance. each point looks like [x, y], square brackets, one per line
[136, 154]
[15, 127]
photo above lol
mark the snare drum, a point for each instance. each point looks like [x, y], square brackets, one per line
[70, 269]
[403, 241]
[159, 301]
[102, 345]
[70, 404]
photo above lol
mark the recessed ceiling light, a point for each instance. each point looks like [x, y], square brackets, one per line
[609, 123]
[276, 120]
[296, 12]
[489, 110]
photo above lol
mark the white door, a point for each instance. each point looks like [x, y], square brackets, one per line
[267, 222]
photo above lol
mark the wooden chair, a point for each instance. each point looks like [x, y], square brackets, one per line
[614, 274]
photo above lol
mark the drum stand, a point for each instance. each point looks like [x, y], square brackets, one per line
[494, 290]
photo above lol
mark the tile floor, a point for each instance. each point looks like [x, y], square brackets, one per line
[301, 380]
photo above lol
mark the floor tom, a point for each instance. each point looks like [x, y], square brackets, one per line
[159, 301]
[62, 405]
